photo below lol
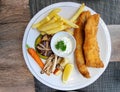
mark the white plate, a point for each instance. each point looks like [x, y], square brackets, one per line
[76, 80]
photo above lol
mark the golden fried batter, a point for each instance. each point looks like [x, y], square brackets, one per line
[91, 49]
[79, 36]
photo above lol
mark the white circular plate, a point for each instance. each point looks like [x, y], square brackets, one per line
[76, 80]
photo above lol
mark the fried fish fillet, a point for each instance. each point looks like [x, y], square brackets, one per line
[79, 36]
[91, 49]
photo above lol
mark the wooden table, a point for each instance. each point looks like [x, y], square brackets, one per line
[14, 74]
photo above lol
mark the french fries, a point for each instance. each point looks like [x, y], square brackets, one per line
[57, 29]
[50, 26]
[46, 19]
[54, 23]
[53, 20]
[67, 21]
[43, 21]
[79, 11]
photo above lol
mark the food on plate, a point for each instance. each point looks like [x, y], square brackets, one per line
[67, 22]
[53, 23]
[60, 45]
[35, 56]
[67, 72]
[91, 49]
[74, 18]
[54, 64]
[54, 50]
[51, 64]
[53, 20]
[50, 26]
[57, 29]
[79, 36]
[48, 65]
[63, 44]
[37, 41]
[42, 45]
[47, 18]
[79, 11]
[60, 66]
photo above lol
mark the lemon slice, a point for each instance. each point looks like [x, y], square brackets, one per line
[67, 72]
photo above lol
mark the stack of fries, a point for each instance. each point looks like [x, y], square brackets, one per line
[54, 23]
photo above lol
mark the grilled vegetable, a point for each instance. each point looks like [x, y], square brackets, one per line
[43, 47]
[35, 56]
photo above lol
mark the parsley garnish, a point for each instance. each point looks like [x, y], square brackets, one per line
[60, 45]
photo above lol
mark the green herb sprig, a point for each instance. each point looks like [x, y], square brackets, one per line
[60, 46]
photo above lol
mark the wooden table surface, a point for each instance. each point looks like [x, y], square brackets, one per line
[14, 74]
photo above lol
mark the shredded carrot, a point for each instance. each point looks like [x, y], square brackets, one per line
[35, 56]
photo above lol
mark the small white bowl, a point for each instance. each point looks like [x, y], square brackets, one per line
[69, 41]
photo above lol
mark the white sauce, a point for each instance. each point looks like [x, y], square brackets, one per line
[68, 44]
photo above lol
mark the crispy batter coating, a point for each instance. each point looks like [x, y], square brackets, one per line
[79, 36]
[91, 49]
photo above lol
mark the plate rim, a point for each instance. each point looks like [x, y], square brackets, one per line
[37, 15]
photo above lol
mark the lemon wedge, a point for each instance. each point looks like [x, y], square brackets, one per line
[67, 72]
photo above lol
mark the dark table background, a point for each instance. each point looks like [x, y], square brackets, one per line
[108, 9]
[110, 13]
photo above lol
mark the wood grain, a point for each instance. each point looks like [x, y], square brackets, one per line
[14, 11]
[14, 74]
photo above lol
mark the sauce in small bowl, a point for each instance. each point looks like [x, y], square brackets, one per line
[63, 44]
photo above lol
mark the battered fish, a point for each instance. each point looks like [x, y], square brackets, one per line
[91, 49]
[79, 36]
